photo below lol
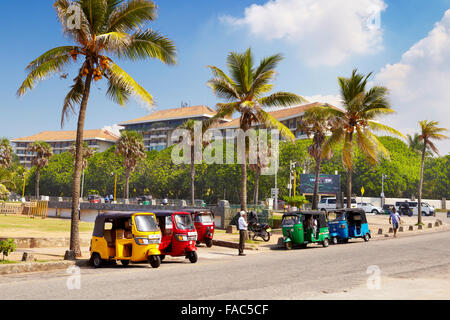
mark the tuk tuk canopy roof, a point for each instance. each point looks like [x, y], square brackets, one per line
[322, 216]
[165, 213]
[348, 211]
[102, 217]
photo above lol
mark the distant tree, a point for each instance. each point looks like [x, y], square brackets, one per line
[131, 147]
[429, 131]
[6, 153]
[42, 153]
[87, 153]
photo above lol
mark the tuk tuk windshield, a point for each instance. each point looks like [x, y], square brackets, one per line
[290, 220]
[183, 222]
[204, 217]
[146, 223]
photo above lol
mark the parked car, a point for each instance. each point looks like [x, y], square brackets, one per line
[328, 204]
[427, 210]
[94, 198]
[369, 208]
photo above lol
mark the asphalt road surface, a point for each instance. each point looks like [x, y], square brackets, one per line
[413, 267]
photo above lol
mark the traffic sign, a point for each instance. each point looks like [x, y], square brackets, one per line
[362, 191]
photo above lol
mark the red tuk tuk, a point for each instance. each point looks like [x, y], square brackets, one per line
[204, 224]
[178, 234]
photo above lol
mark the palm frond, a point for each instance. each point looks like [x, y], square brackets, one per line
[131, 15]
[72, 99]
[223, 89]
[270, 122]
[281, 99]
[376, 126]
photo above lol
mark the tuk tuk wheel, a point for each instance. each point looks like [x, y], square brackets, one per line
[162, 257]
[366, 237]
[125, 262]
[325, 243]
[96, 260]
[197, 243]
[288, 245]
[334, 240]
[193, 257]
[209, 243]
[155, 261]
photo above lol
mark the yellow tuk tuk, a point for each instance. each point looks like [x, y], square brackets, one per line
[125, 236]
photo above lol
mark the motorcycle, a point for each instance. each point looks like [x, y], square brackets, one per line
[260, 230]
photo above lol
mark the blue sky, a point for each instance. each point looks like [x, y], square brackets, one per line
[204, 32]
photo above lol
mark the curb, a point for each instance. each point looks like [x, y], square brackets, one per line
[34, 267]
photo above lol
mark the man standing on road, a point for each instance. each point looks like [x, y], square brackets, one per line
[242, 226]
[394, 218]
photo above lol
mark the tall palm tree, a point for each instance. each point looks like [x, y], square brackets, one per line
[357, 120]
[131, 147]
[108, 29]
[429, 131]
[42, 153]
[317, 122]
[6, 153]
[87, 153]
[416, 145]
[244, 90]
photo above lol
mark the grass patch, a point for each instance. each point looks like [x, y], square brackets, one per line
[42, 225]
[8, 262]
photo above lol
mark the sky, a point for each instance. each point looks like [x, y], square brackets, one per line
[406, 47]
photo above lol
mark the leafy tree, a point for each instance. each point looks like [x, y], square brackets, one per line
[357, 121]
[87, 153]
[108, 29]
[298, 201]
[244, 89]
[42, 153]
[429, 132]
[7, 246]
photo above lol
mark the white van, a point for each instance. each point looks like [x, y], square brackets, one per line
[327, 204]
[427, 210]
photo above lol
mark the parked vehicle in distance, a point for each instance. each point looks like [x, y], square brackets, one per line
[348, 224]
[125, 236]
[178, 234]
[144, 200]
[261, 230]
[427, 210]
[204, 224]
[297, 231]
[387, 208]
[94, 198]
[369, 208]
[327, 204]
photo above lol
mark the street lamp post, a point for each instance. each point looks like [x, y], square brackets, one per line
[115, 185]
[383, 176]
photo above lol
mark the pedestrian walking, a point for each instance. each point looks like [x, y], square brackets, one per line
[242, 226]
[394, 219]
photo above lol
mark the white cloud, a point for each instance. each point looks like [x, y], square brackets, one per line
[420, 82]
[326, 32]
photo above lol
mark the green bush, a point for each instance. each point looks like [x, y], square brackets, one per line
[7, 246]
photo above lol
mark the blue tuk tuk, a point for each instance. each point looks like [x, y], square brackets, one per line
[348, 224]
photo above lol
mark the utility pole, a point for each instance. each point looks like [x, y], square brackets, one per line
[383, 176]
[276, 186]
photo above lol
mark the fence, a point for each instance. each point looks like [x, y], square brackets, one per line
[263, 212]
[32, 209]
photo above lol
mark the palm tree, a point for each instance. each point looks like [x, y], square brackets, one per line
[87, 153]
[357, 121]
[108, 28]
[429, 131]
[131, 147]
[244, 91]
[317, 122]
[415, 145]
[42, 153]
[6, 153]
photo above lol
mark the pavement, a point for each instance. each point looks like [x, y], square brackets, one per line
[413, 267]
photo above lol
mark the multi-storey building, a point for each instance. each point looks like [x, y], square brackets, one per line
[157, 127]
[61, 141]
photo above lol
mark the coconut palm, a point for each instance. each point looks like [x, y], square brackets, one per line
[87, 153]
[429, 131]
[244, 89]
[416, 145]
[317, 122]
[107, 29]
[6, 153]
[42, 153]
[357, 120]
[131, 147]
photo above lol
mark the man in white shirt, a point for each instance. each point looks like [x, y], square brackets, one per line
[242, 226]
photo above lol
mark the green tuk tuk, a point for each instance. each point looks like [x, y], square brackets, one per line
[303, 227]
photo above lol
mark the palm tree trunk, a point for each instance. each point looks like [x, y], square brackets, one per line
[256, 195]
[192, 176]
[74, 229]
[419, 205]
[349, 176]
[38, 176]
[244, 185]
[316, 184]
[126, 193]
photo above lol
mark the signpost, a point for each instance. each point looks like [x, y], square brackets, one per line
[362, 194]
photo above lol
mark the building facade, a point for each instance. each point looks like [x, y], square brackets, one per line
[61, 141]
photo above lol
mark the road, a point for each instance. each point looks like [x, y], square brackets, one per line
[414, 267]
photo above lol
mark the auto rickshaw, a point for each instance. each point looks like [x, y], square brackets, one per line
[125, 236]
[178, 234]
[304, 227]
[348, 224]
[204, 224]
